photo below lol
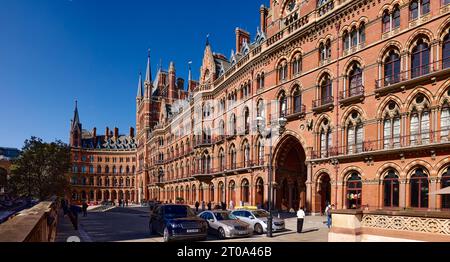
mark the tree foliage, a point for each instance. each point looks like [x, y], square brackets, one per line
[40, 171]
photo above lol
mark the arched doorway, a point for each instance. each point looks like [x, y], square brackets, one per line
[323, 192]
[259, 198]
[290, 175]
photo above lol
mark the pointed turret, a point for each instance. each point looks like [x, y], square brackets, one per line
[148, 78]
[76, 117]
[140, 87]
[76, 129]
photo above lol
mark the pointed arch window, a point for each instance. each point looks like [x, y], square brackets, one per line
[346, 40]
[386, 21]
[355, 80]
[282, 104]
[260, 148]
[247, 120]
[325, 141]
[247, 162]
[420, 59]
[446, 51]
[354, 191]
[392, 68]
[297, 65]
[419, 189]
[396, 17]
[445, 183]
[445, 122]
[355, 134]
[297, 100]
[233, 163]
[391, 190]
[392, 132]
[420, 127]
[222, 162]
[326, 90]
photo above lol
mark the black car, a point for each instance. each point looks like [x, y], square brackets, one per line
[177, 222]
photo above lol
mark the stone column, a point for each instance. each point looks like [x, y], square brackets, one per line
[309, 189]
[433, 188]
[402, 193]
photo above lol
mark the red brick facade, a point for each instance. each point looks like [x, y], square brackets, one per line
[363, 85]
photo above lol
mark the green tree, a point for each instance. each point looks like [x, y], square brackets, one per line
[40, 171]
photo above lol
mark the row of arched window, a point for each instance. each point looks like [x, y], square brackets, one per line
[105, 170]
[418, 189]
[417, 130]
[106, 182]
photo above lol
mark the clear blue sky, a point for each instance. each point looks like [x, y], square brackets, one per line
[55, 51]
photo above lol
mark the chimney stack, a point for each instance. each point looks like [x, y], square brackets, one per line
[263, 18]
[131, 132]
[94, 134]
[107, 133]
[116, 133]
[241, 36]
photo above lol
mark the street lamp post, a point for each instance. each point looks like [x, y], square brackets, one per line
[269, 134]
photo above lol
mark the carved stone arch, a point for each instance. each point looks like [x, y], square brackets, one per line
[281, 60]
[280, 91]
[442, 96]
[319, 173]
[348, 171]
[321, 75]
[424, 34]
[296, 51]
[243, 143]
[320, 123]
[384, 106]
[289, 133]
[353, 24]
[391, 45]
[385, 7]
[350, 110]
[343, 29]
[362, 20]
[443, 29]
[382, 171]
[242, 178]
[442, 166]
[411, 99]
[351, 61]
[410, 168]
[294, 85]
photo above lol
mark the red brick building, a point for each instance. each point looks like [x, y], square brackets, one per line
[355, 95]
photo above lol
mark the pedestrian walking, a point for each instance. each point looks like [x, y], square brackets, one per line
[231, 205]
[209, 205]
[197, 205]
[73, 215]
[328, 214]
[224, 206]
[300, 220]
[85, 208]
[126, 202]
[203, 206]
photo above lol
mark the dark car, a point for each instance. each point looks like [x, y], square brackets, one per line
[177, 222]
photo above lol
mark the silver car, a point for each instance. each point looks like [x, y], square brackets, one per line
[226, 225]
[258, 220]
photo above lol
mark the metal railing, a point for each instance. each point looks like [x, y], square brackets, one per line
[392, 143]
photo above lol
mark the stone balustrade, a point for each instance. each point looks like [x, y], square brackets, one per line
[37, 224]
[390, 226]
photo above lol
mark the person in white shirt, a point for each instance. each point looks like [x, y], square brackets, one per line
[231, 205]
[300, 220]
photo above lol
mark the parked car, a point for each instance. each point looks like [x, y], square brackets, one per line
[258, 220]
[226, 225]
[177, 222]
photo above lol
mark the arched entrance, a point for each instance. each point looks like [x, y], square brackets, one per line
[259, 198]
[323, 194]
[290, 175]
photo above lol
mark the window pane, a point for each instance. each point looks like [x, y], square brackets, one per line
[414, 129]
[425, 125]
[351, 139]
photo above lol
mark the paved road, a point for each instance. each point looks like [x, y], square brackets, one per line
[131, 225]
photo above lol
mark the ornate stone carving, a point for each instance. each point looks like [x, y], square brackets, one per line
[414, 224]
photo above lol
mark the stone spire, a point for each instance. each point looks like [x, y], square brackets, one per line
[76, 117]
[148, 77]
[140, 91]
